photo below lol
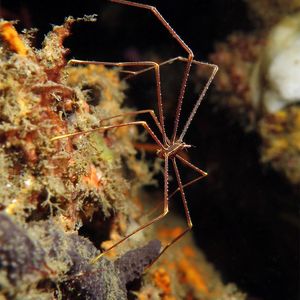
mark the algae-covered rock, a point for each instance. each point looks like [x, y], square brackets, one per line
[258, 83]
[45, 258]
[50, 188]
[55, 191]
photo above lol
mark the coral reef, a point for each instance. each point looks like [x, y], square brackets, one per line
[259, 81]
[51, 188]
[54, 192]
[278, 67]
[29, 258]
[281, 142]
[19, 254]
[40, 99]
[234, 82]
[269, 12]
[183, 272]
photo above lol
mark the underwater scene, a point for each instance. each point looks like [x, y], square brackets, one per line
[150, 150]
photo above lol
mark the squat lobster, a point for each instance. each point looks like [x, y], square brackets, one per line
[169, 148]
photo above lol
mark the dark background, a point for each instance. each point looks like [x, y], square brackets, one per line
[244, 213]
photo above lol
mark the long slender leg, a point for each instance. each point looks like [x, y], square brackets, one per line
[166, 179]
[201, 96]
[161, 19]
[181, 43]
[187, 163]
[181, 95]
[169, 61]
[189, 183]
[165, 211]
[186, 210]
[133, 113]
[136, 64]
[104, 128]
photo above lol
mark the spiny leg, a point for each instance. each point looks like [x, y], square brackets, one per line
[161, 19]
[169, 61]
[151, 65]
[165, 211]
[201, 96]
[189, 183]
[181, 43]
[104, 128]
[197, 104]
[133, 113]
[181, 95]
[186, 210]
[182, 89]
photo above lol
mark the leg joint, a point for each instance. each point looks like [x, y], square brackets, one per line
[191, 54]
[156, 66]
[152, 8]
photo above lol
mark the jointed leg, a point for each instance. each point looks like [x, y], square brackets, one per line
[161, 19]
[104, 128]
[150, 64]
[133, 113]
[187, 163]
[165, 211]
[189, 183]
[201, 96]
[169, 61]
[186, 210]
[182, 90]
[181, 43]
